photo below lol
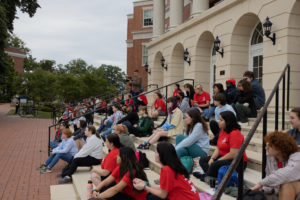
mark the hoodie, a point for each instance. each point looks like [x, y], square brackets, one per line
[231, 92]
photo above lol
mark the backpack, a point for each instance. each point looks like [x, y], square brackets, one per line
[187, 162]
[143, 160]
[254, 195]
[221, 173]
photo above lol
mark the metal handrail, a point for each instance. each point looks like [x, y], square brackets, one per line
[238, 161]
[108, 106]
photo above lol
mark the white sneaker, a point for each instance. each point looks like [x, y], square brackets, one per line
[243, 124]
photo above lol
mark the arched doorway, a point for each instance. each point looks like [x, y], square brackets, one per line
[256, 52]
[176, 68]
[157, 74]
[205, 61]
[212, 71]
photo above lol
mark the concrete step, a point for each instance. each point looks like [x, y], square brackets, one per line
[80, 180]
[63, 192]
[254, 162]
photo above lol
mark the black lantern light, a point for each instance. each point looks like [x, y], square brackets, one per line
[163, 64]
[268, 27]
[217, 43]
[147, 68]
[186, 56]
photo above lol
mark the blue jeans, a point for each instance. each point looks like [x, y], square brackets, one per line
[193, 151]
[102, 126]
[53, 159]
[208, 112]
[105, 133]
[53, 144]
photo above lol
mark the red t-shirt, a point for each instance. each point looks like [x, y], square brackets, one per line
[160, 103]
[176, 92]
[143, 98]
[129, 188]
[110, 161]
[201, 98]
[129, 101]
[226, 141]
[179, 188]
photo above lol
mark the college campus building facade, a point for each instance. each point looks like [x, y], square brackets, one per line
[239, 26]
[18, 57]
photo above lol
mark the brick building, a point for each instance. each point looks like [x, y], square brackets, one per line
[139, 33]
[18, 58]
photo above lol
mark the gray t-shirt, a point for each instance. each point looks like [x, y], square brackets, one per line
[295, 133]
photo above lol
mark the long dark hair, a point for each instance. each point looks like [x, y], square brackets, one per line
[196, 118]
[114, 138]
[129, 163]
[191, 93]
[173, 100]
[168, 156]
[230, 120]
[82, 124]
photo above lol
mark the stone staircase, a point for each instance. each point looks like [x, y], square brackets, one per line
[77, 190]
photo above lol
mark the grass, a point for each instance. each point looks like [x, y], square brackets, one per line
[40, 114]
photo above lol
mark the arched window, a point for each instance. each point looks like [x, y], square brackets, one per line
[256, 52]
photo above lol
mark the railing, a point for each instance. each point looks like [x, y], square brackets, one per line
[238, 161]
[108, 97]
[108, 106]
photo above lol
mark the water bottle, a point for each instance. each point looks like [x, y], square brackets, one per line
[89, 189]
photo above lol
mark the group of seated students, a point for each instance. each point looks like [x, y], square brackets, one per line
[121, 175]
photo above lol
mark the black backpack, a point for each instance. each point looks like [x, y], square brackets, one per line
[143, 160]
[254, 195]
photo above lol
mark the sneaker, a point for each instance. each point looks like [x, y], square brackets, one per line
[200, 176]
[41, 167]
[65, 179]
[46, 170]
[59, 175]
[243, 123]
[141, 146]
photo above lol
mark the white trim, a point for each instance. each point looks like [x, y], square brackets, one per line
[129, 43]
[211, 82]
[148, 8]
[18, 55]
[138, 35]
[254, 50]
[143, 3]
[130, 16]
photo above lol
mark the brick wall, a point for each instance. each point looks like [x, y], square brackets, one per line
[18, 60]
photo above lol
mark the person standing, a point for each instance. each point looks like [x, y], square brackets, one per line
[136, 84]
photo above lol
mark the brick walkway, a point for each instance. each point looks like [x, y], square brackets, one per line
[23, 146]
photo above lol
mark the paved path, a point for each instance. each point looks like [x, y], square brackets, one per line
[23, 147]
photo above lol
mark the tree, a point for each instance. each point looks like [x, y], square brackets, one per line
[7, 79]
[14, 41]
[76, 67]
[113, 74]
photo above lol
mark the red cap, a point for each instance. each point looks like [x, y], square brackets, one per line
[231, 81]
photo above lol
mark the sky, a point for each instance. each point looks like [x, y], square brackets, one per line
[62, 30]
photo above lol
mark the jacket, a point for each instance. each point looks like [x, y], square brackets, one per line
[92, 147]
[231, 94]
[67, 146]
[144, 125]
[276, 177]
[258, 92]
[79, 133]
[132, 117]
[115, 117]
[175, 119]
[184, 105]
[243, 97]
[198, 137]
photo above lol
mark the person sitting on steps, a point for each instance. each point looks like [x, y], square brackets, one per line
[221, 106]
[122, 131]
[144, 126]
[295, 122]
[65, 151]
[229, 142]
[159, 106]
[281, 178]
[195, 142]
[172, 126]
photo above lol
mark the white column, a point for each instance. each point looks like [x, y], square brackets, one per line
[176, 13]
[198, 6]
[158, 17]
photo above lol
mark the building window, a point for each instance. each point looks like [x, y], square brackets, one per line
[144, 55]
[148, 21]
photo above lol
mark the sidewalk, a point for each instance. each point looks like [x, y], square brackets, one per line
[23, 147]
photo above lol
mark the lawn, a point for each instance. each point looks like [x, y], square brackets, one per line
[40, 114]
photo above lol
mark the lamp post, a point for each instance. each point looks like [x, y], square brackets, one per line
[268, 27]
[217, 43]
[186, 56]
[163, 64]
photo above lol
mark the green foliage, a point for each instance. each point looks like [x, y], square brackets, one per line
[7, 79]
[113, 74]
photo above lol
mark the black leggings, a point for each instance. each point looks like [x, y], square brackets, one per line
[83, 162]
[213, 169]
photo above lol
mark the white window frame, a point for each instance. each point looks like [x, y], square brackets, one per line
[145, 10]
[212, 73]
[144, 55]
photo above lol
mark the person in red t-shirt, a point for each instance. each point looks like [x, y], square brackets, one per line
[142, 100]
[229, 142]
[128, 169]
[110, 161]
[174, 178]
[176, 90]
[159, 107]
[201, 98]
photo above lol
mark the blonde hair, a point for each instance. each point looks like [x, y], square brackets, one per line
[199, 87]
[122, 128]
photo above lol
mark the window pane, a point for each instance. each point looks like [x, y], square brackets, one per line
[255, 61]
[257, 36]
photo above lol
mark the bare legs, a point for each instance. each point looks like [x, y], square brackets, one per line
[156, 135]
[289, 190]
